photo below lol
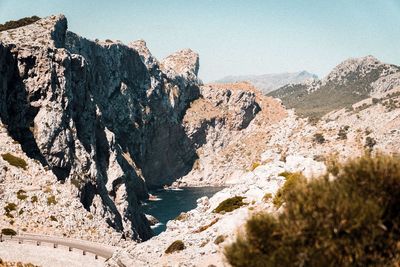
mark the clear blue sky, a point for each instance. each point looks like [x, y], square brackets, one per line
[237, 36]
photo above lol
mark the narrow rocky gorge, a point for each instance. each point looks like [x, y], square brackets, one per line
[87, 128]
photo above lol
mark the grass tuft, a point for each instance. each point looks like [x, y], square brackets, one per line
[230, 204]
[175, 246]
[15, 161]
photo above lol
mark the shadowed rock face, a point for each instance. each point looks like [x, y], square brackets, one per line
[104, 115]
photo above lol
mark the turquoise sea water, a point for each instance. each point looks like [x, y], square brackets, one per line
[172, 202]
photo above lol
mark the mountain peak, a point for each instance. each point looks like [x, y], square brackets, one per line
[49, 31]
[269, 82]
[361, 67]
[185, 61]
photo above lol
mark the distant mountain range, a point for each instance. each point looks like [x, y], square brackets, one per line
[351, 81]
[270, 82]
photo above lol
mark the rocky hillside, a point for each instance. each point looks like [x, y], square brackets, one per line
[270, 82]
[229, 126]
[292, 145]
[351, 81]
[101, 117]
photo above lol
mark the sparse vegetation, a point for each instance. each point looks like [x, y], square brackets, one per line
[330, 96]
[12, 24]
[47, 189]
[267, 197]
[254, 166]
[292, 178]
[15, 161]
[230, 204]
[370, 143]
[342, 134]
[10, 207]
[368, 131]
[219, 239]
[8, 231]
[182, 217]
[320, 158]
[319, 138]
[313, 120]
[76, 182]
[21, 195]
[205, 227]
[352, 220]
[34, 199]
[51, 200]
[391, 104]
[53, 218]
[175, 246]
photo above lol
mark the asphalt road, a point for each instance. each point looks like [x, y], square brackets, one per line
[98, 249]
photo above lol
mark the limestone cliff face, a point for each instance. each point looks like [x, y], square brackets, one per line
[102, 115]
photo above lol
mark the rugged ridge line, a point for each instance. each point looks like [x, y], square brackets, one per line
[349, 82]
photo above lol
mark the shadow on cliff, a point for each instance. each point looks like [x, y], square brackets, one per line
[15, 111]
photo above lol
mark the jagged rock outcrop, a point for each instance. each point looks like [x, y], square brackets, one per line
[102, 115]
[290, 146]
[228, 126]
[351, 81]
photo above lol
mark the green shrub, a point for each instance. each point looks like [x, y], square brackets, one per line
[51, 200]
[181, 217]
[370, 142]
[292, 178]
[219, 239]
[175, 246]
[15, 161]
[342, 134]
[267, 197]
[8, 231]
[53, 218]
[12, 24]
[353, 220]
[230, 204]
[254, 166]
[10, 207]
[76, 182]
[34, 199]
[319, 138]
[21, 195]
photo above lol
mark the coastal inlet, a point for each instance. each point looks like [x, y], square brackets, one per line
[167, 204]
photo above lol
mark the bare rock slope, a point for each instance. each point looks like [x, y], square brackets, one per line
[102, 116]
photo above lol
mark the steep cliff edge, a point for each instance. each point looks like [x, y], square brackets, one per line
[102, 116]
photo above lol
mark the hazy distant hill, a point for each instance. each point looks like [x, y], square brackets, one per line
[351, 81]
[270, 82]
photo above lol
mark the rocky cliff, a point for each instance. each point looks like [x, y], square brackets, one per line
[287, 144]
[102, 116]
